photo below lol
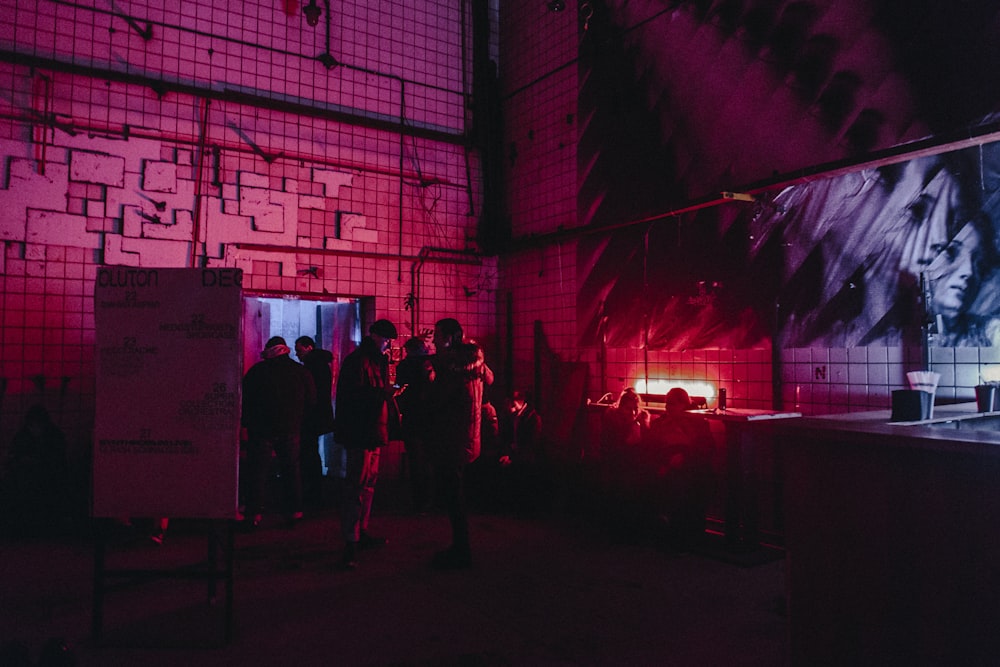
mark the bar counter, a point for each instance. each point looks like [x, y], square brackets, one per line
[893, 538]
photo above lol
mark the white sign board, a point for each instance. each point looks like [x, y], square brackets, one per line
[169, 366]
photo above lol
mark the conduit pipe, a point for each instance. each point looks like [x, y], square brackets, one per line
[465, 256]
[426, 254]
[126, 131]
[41, 133]
[934, 145]
[226, 94]
[199, 176]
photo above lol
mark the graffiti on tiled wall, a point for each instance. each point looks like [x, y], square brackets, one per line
[125, 202]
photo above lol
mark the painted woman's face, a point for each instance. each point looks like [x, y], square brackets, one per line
[952, 272]
[931, 201]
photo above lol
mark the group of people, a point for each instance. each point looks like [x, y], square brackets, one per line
[437, 400]
[656, 472]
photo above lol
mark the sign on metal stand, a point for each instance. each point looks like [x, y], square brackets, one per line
[166, 436]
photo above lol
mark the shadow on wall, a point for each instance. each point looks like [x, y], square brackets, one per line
[560, 390]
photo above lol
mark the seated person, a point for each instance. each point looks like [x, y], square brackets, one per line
[624, 425]
[522, 455]
[522, 439]
[678, 453]
[618, 469]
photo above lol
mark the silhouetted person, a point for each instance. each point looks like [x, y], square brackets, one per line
[316, 422]
[37, 482]
[623, 430]
[362, 429]
[483, 479]
[679, 453]
[522, 456]
[460, 373]
[277, 393]
[413, 377]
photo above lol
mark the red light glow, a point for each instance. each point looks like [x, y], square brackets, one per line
[661, 387]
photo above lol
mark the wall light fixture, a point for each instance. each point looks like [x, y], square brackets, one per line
[312, 12]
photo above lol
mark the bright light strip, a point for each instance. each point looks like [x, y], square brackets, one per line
[991, 374]
[661, 387]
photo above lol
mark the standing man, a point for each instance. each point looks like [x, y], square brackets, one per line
[460, 373]
[362, 428]
[317, 421]
[413, 377]
[277, 392]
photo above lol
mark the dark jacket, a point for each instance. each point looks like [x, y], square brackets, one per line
[362, 386]
[456, 402]
[413, 375]
[522, 440]
[276, 395]
[319, 420]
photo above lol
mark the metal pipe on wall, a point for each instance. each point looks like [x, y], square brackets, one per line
[423, 256]
[230, 95]
[199, 179]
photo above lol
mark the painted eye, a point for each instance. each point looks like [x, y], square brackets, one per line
[953, 251]
[917, 211]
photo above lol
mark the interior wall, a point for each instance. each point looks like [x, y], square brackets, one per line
[189, 134]
[538, 49]
[727, 92]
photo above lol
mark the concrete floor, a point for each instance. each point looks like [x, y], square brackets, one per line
[543, 591]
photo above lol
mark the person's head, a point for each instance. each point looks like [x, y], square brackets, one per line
[447, 334]
[274, 347]
[518, 400]
[303, 346]
[953, 274]
[415, 346]
[931, 205]
[629, 400]
[677, 400]
[383, 332]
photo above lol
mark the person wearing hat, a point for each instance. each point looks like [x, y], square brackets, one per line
[277, 393]
[362, 414]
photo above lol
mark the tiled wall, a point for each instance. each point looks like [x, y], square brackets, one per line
[183, 134]
[823, 381]
[537, 56]
[811, 381]
[254, 153]
[539, 80]
[744, 374]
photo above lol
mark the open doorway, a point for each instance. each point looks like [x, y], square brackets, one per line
[335, 325]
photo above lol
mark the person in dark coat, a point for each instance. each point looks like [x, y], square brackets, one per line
[277, 394]
[523, 459]
[363, 391]
[318, 421]
[678, 452]
[460, 374]
[413, 377]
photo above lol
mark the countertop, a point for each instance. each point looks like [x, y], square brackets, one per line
[956, 428]
[744, 414]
